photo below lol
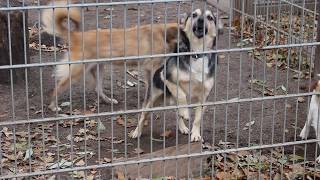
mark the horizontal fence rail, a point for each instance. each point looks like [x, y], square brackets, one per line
[229, 94]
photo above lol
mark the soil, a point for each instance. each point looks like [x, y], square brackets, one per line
[275, 121]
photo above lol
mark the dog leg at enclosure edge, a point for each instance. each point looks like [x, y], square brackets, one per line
[313, 118]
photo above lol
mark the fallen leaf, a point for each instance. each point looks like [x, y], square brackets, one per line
[108, 9]
[91, 123]
[47, 159]
[167, 133]
[132, 9]
[301, 100]
[3, 115]
[138, 151]
[118, 141]
[120, 120]
[109, 16]
[52, 177]
[6, 132]
[294, 157]
[222, 56]
[64, 104]
[131, 84]
[283, 88]
[28, 154]
[249, 124]
[80, 163]
[38, 112]
[106, 160]
[90, 177]
[288, 105]
[223, 175]
[78, 174]
[270, 65]
[61, 164]
[224, 143]
[100, 126]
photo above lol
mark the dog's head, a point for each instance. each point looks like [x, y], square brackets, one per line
[201, 24]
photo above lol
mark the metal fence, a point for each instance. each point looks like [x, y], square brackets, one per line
[250, 121]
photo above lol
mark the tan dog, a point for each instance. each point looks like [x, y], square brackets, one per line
[86, 48]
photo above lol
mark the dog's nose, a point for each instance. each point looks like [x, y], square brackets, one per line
[200, 22]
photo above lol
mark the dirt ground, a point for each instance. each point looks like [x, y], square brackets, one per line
[275, 121]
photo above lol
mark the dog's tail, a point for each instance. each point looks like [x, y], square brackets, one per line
[53, 20]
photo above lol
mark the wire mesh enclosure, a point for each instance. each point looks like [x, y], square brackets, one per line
[159, 89]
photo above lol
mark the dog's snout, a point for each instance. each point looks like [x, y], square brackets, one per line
[200, 23]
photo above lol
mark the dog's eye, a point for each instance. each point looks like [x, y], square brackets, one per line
[194, 15]
[210, 18]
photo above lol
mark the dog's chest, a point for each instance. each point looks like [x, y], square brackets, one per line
[199, 68]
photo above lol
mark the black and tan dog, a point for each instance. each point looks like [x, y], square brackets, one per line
[185, 73]
[143, 40]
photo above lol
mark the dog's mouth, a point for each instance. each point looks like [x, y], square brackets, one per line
[199, 30]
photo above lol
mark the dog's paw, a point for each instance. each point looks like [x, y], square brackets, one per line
[54, 108]
[195, 136]
[303, 134]
[318, 160]
[135, 133]
[110, 100]
[114, 101]
[183, 129]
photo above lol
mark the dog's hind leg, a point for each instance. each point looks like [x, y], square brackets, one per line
[148, 102]
[181, 96]
[99, 84]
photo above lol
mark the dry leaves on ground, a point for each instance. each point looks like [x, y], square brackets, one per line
[304, 29]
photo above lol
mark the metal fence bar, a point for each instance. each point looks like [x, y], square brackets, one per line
[294, 42]
[300, 7]
[231, 101]
[15, 66]
[89, 5]
[204, 153]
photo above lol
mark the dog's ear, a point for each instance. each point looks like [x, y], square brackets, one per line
[220, 26]
[183, 20]
[219, 23]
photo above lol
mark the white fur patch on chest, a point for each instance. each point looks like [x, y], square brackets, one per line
[200, 67]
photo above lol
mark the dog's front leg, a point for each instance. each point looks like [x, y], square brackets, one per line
[148, 102]
[181, 96]
[306, 129]
[195, 132]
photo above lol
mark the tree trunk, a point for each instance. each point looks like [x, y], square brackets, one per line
[19, 41]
